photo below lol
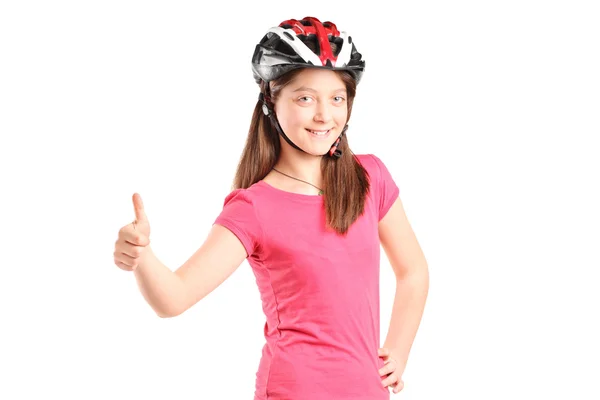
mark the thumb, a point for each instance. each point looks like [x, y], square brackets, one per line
[138, 206]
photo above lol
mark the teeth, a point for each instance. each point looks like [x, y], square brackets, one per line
[320, 133]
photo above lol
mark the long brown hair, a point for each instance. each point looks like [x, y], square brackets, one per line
[345, 181]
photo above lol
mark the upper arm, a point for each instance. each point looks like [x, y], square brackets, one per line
[385, 187]
[399, 241]
[218, 257]
[395, 233]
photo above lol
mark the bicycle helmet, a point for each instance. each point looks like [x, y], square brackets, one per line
[305, 43]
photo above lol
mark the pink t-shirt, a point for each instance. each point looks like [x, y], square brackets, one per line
[319, 291]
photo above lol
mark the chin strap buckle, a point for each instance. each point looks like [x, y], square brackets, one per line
[334, 151]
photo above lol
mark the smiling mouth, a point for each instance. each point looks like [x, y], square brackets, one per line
[319, 133]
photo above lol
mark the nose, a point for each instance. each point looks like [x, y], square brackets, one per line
[322, 113]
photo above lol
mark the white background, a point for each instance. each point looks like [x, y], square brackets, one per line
[486, 114]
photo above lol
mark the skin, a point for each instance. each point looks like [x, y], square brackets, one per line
[316, 99]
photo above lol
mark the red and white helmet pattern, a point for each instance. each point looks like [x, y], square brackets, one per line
[286, 47]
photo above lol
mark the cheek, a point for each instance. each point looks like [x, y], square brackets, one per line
[294, 119]
[341, 115]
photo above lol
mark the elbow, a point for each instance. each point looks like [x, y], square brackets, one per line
[418, 273]
[168, 312]
[172, 307]
[176, 306]
[164, 315]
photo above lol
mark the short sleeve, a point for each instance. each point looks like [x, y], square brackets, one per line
[387, 188]
[239, 216]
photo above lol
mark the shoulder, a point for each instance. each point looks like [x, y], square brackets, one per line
[379, 173]
[247, 195]
[371, 164]
[240, 217]
[366, 160]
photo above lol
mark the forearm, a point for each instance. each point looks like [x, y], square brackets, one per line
[160, 286]
[409, 303]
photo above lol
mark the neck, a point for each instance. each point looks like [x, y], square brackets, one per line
[300, 165]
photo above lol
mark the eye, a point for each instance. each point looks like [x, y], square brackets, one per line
[341, 99]
[304, 97]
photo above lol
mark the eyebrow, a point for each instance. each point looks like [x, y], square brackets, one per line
[307, 89]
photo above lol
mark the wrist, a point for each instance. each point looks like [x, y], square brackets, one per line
[400, 361]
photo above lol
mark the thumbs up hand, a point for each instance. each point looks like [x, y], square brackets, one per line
[133, 238]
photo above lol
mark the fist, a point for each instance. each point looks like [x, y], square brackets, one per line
[133, 238]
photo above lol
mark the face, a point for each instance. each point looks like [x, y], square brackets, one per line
[312, 110]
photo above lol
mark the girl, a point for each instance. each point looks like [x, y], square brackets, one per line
[309, 216]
